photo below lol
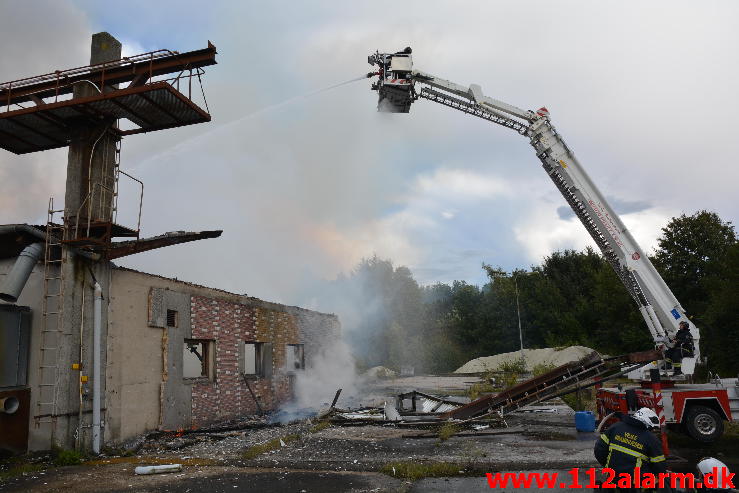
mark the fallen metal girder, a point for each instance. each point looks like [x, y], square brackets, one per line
[125, 248]
[550, 384]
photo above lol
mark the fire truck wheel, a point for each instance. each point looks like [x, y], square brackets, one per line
[703, 424]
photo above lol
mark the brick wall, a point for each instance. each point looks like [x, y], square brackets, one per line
[316, 331]
[227, 324]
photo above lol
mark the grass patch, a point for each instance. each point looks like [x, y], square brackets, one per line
[418, 470]
[262, 448]
[488, 385]
[447, 430]
[513, 366]
[320, 426]
[548, 435]
[64, 457]
[542, 368]
[20, 470]
[508, 380]
[477, 390]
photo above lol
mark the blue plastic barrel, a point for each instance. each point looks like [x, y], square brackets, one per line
[585, 421]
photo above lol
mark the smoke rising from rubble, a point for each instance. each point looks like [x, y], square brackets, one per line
[362, 313]
[332, 369]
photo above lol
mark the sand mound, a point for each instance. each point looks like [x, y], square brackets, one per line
[379, 372]
[533, 357]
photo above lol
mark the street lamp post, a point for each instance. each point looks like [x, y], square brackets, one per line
[518, 312]
[518, 309]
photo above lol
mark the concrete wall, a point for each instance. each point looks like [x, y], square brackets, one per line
[135, 373]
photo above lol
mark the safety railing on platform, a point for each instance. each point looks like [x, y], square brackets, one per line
[60, 78]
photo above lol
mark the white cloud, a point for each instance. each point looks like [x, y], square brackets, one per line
[36, 44]
[544, 232]
[461, 184]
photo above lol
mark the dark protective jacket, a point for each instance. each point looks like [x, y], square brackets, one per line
[629, 444]
[684, 341]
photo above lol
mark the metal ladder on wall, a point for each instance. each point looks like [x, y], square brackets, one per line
[52, 310]
[108, 187]
[115, 182]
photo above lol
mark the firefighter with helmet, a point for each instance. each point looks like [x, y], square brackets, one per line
[630, 444]
[682, 347]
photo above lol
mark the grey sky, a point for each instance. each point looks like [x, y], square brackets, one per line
[642, 92]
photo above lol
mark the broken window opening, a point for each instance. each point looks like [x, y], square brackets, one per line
[256, 360]
[294, 357]
[196, 360]
[251, 352]
[172, 318]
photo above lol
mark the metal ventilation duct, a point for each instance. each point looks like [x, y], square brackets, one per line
[18, 276]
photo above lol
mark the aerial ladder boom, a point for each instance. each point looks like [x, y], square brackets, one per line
[399, 85]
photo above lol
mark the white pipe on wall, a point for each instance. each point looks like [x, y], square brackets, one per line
[97, 322]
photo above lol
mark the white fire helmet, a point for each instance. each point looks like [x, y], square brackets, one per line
[707, 465]
[647, 416]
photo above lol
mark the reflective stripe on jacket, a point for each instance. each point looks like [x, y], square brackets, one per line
[627, 445]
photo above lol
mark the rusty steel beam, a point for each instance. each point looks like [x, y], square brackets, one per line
[99, 74]
[132, 112]
[81, 104]
[125, 248]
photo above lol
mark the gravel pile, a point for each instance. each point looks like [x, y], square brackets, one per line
[533, 357]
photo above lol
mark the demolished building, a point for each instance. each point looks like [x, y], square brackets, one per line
[92, 353]
[175, 355]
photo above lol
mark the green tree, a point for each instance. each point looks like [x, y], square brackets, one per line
[697, 257]
[619, 327]
[720, 328]
[690, 251]
[466, 299]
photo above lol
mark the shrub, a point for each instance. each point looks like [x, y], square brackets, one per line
[513, 366]
[447, 430]
[542, 368]
[64, 457]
